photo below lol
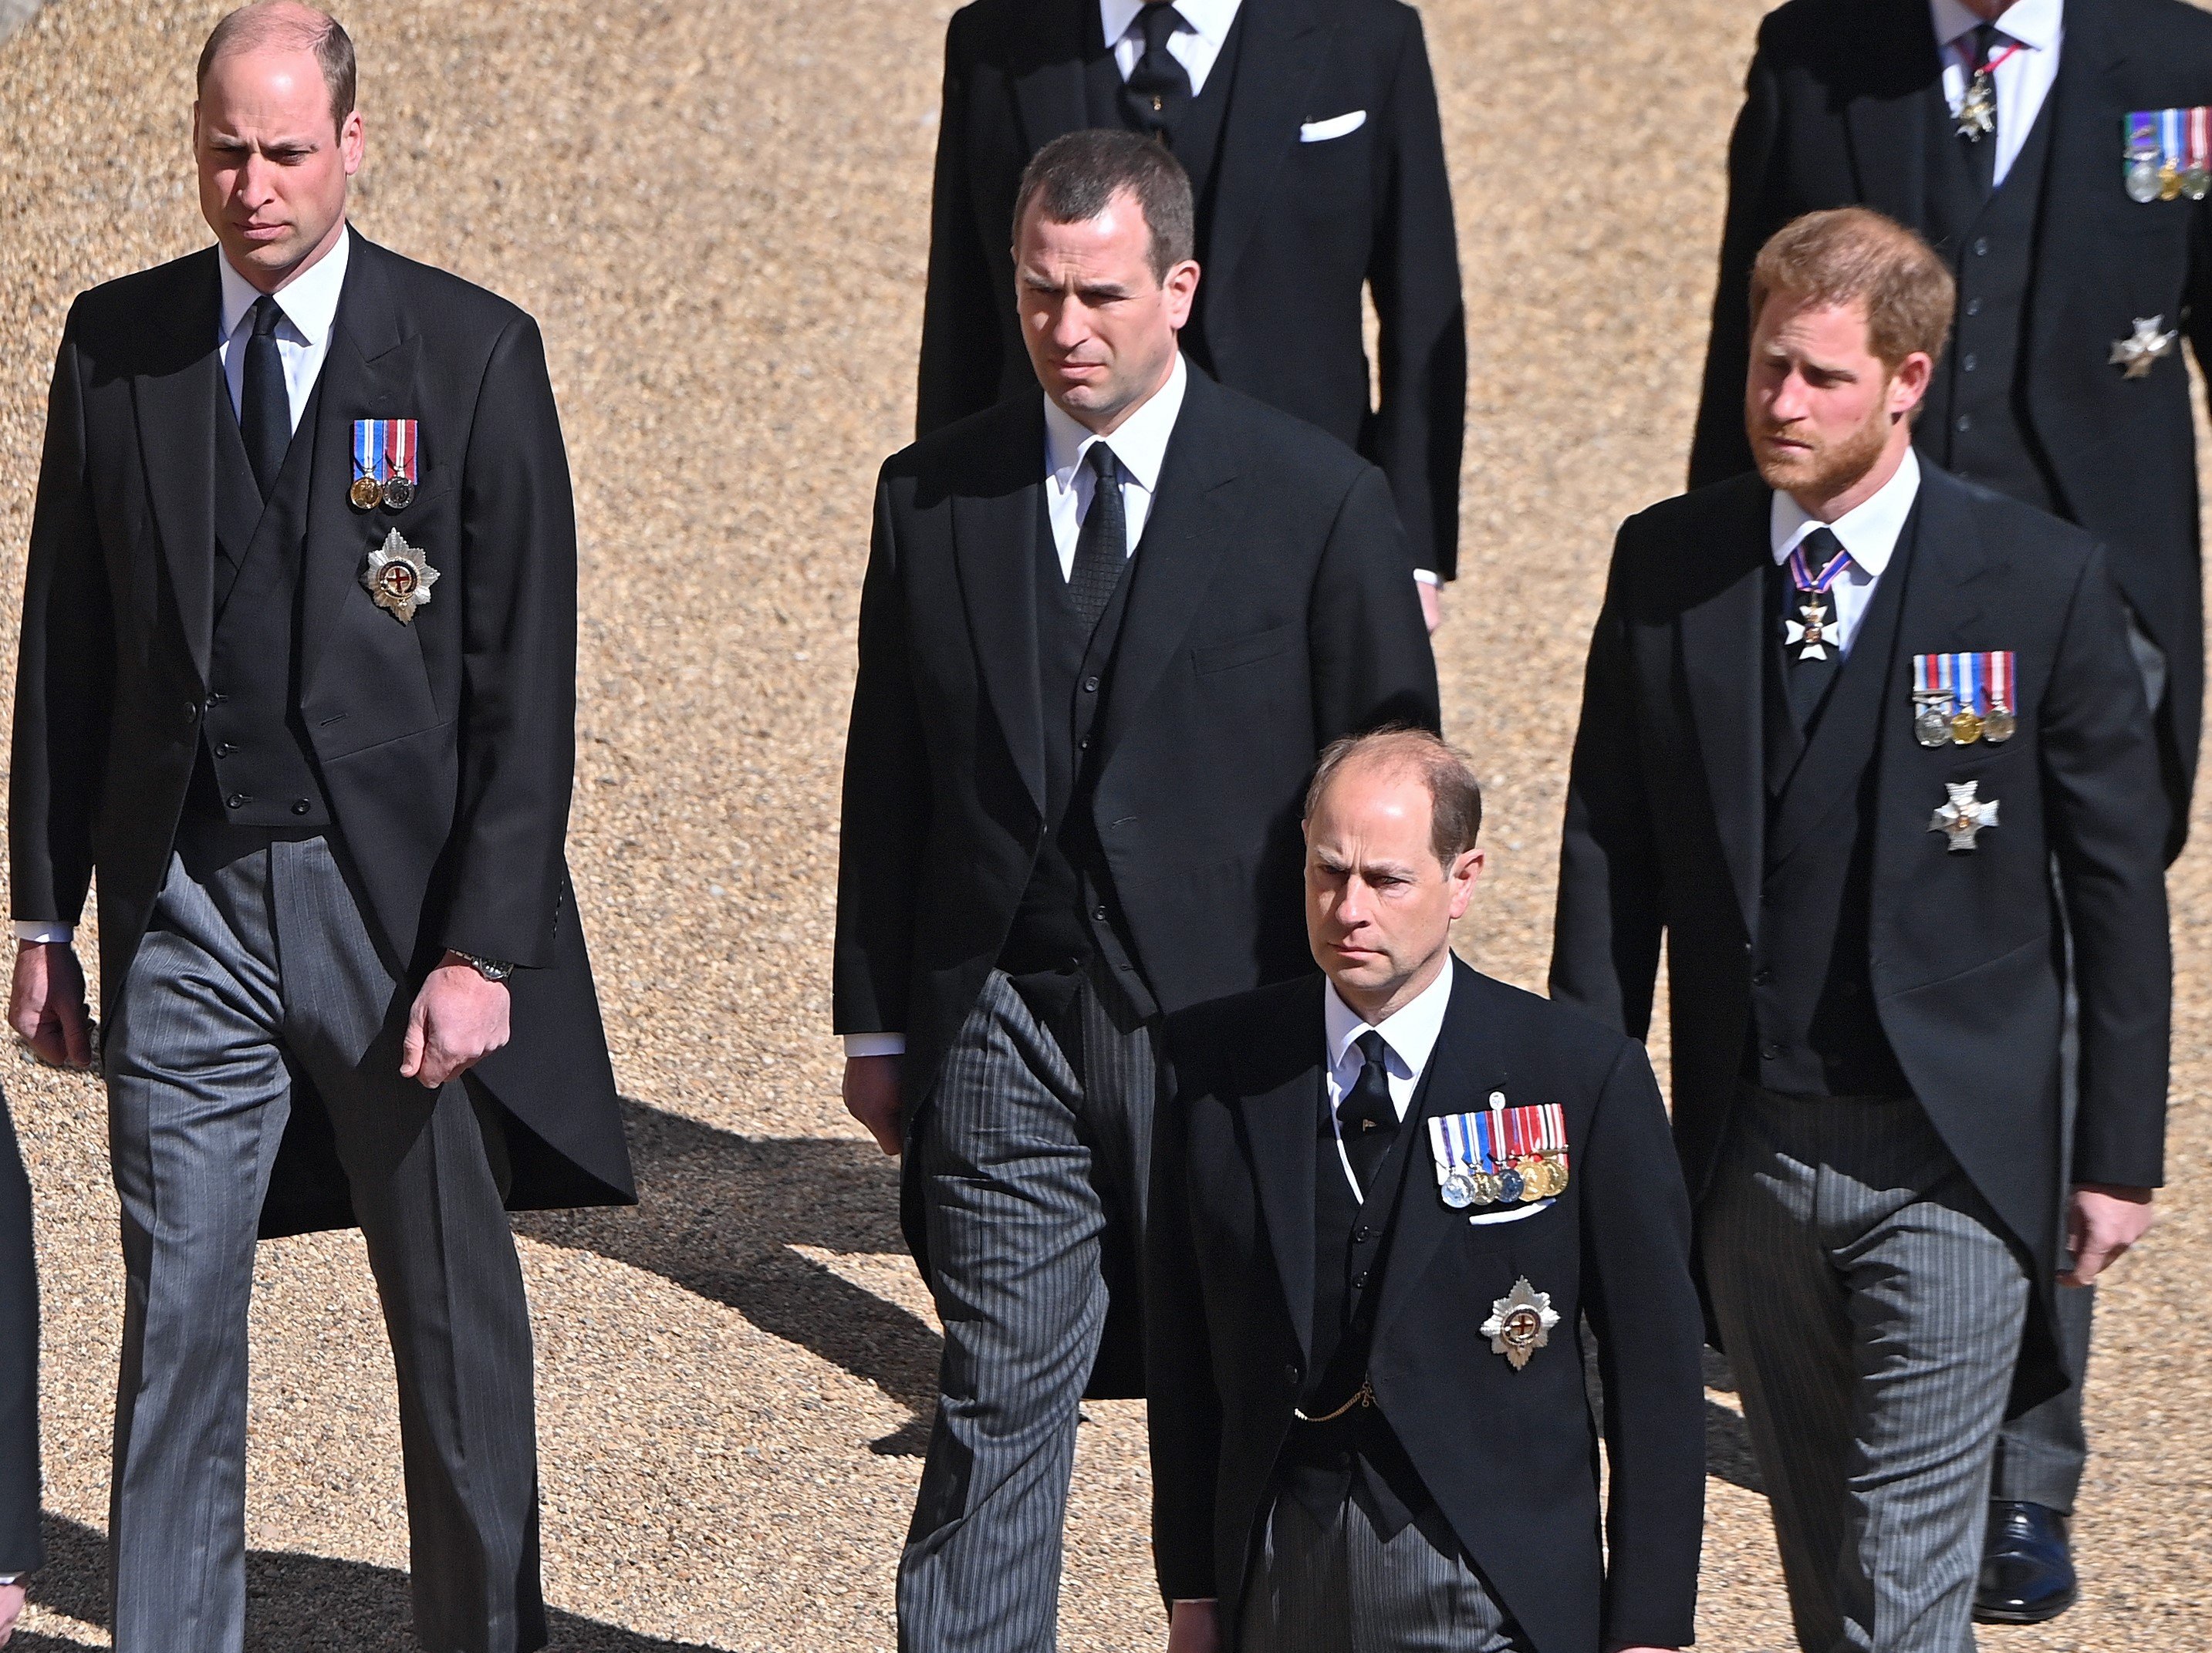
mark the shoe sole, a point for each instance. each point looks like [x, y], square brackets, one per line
[2035, 1615]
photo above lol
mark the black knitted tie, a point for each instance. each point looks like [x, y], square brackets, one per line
[1158, 88]
[1367, 1115]
[1102, 549]
[264, 407]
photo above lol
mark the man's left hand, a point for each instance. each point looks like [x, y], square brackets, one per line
[2102, 1221]
[457, 1020]
[1432, 604]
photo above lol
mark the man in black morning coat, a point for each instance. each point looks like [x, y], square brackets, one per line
[328, 824]
[1859, 101]
[1103, 631]
[1353, 1444]
[1865, 945]
[1310, 133]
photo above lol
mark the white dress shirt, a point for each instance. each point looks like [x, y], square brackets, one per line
[1409, 1037]
[310, 304]
[1867, 531]
[1141, 446]
[1195, 47]
[2023, 80]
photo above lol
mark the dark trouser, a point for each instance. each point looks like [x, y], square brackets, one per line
[20, 1548]
[1341, 1587]
[2041, 1453]
[1872, 1308]
[1035, 1159]
[256, 966]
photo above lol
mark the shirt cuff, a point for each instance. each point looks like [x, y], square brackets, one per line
[1427, 576]
[8, 1579]
[874, 1044]
[40, 930]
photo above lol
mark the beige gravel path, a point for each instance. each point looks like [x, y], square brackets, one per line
[715, 210]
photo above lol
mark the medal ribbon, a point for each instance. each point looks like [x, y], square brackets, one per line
[2001, 669]
[2140, 133]
[399, 448]
[1802, 574]
[367, 448]
[1970, 694]
[2200, 138]
[2170, 152]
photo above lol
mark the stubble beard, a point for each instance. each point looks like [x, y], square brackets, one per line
[1828, 469]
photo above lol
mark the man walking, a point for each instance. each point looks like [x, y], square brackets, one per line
[2056, 154]
[296, 681]
[1309, 132]
[1102, 632]
[1386, 1200]
[1840, 717]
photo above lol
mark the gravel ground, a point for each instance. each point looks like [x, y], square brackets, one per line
[716, 211]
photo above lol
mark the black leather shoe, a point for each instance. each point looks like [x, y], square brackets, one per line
[2027, 1567]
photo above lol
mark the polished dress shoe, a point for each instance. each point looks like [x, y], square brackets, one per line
[2027, 1567]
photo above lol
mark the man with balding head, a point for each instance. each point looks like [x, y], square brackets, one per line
[296, 680]
[1384, 1201]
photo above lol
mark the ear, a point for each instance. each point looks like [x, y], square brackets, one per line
[1910, 382]
[1465, 873]
[1180, 286]
[353, 142]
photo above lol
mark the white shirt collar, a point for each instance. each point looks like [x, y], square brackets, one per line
[1869, 530]
[1209, 18]
[310, 302]
[1411, 1033]
[2035, 24]
[1140, 443]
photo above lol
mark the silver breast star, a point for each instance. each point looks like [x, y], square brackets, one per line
[1962, 816]
[2145, 345]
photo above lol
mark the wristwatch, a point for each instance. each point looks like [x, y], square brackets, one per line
[491, 969]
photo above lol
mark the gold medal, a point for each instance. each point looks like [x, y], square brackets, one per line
[2169, 182]
[1967, 727]
[365, 494]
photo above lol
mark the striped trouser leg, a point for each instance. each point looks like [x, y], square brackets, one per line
[1020, 1161]
[1873, 1307]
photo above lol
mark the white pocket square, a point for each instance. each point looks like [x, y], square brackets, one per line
[1320, 131]
[1485, 1219]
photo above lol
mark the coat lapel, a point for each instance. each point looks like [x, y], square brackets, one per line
[1285, 43]
[369, 373]
[994, 549]
[1049, 93]
[1885, 114]
[1282, 1124]
[1191, 525]
[177, 404]
[1723, 637]
[2086, 102]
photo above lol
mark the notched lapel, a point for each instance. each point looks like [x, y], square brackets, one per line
[995, 551]
[1285, 45]
[1899, 64]
[1282, 1124]
[176, 401]
[1722, 634]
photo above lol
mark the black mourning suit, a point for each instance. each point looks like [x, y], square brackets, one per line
[1820, 936]
[21, 1548]
[1052, 829]
[1289, 232]
[1845, 104]
[1257, 1307]
[442, 749]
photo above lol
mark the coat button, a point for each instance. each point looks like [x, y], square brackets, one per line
[1359, 1280]
[300, 806]
[1764, 979]
[238, 800]
[1770, 1050]
[1968, 362]
[1362, 1233]
[1965, 421]
[1973, 307]
[225, 747]
[1291, 1372]
[1981, 247]
[191, 711]
[1091, 685]
[1098, 913]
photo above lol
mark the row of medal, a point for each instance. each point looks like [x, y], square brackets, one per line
[1502, 1156]
[2168, 154]
[1959, 699]
[383, 464]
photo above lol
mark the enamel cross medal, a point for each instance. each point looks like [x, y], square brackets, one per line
[1963, 817]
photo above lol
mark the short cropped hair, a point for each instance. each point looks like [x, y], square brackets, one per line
[1455, 795]
[1074, 178]
[1856, 256]
[285, 25]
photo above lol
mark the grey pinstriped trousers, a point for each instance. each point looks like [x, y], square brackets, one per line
[1345, 1589]
[1030, 1155]
[1872, 1308]
[258, 964]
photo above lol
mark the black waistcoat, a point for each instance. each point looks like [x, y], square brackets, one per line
[1067, 918]
[1195, 136]
[256, 767]
[1975, 424]
[1814, 1028]
[1358, 1454]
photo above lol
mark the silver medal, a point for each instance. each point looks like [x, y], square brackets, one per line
[2144, 181]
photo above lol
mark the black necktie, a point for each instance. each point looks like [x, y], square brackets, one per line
[1982, 151]
[1367, 1116]
[1158, 88]
[1811, 638]
[1102, 549]
[264, 407]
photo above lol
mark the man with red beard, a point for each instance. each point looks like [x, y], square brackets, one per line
[1840, 719]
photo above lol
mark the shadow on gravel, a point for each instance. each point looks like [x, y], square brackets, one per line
[294, 1603]
[718, 1214]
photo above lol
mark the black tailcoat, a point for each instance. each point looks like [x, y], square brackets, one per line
[1289, 232]
[1667, 824]
[1268, 612]
[1511, 1458]
[1835, 114]
[445, 747]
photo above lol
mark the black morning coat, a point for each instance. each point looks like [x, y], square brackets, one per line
[1511, 1458]
[1833, 116]
[445, 747]
[1268, 612]
[1667, 825]
[1294, 231]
